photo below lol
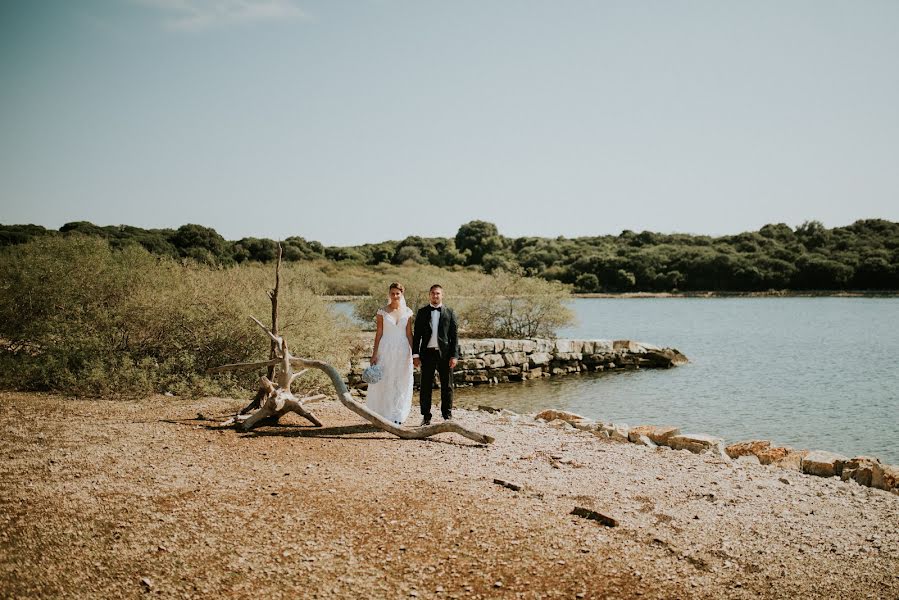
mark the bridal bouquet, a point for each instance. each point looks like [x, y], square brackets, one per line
[372, 374]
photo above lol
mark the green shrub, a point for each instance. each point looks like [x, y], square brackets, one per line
[79, 317]
[497, 305]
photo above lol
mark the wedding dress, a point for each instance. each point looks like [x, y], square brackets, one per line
[392, 396]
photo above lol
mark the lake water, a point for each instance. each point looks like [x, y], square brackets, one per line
[817, 373]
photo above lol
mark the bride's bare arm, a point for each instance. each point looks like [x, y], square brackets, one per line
[409, 331]
[380, 330]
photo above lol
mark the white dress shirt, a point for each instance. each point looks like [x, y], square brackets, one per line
[435, 320]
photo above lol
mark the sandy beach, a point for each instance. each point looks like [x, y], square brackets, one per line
[110, 499]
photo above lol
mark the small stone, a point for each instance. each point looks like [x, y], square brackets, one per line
[147, 583]
[498, 584]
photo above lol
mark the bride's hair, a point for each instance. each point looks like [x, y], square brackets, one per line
[397, 286]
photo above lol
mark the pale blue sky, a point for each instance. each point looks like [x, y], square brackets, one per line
[351, 122]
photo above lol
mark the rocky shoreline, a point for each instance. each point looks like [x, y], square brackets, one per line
[111, 499]
[494, 360]
[867, 471]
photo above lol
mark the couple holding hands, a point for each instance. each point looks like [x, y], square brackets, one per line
[430, 342]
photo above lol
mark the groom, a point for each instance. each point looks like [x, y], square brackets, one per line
[435, 346]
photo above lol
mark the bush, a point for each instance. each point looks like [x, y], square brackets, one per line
[499, 305]
[79, 317]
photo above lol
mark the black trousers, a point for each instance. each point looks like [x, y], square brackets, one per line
[431, 361]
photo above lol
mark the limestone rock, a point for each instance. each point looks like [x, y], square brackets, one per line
[512, 346]
[584, 424]
[698, 443]
[603, 346]
[860, 469]
[493, 361]
[562, 346]
[565, 356]
[618, 432]
[626, 345]
[885, 477]
[748, 458]
[792, 460]
[659, 434]
[514, 359]
[473, 347]
[762, 449]
[552, 415]
[643, 440]
[538, 359]
[528, 346]
[823, 464]
[665, 358]
[472, 363]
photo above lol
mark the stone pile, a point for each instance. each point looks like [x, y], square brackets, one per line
[863, 470]
[501, 360]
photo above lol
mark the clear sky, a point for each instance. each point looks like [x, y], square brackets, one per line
[350, 122]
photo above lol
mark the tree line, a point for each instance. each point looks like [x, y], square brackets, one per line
[861, 256]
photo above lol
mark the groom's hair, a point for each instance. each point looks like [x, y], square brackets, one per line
[396, 286]
[436, 286]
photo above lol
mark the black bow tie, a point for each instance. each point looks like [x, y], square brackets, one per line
[437, 308]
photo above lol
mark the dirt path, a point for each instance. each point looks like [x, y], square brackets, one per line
[123, 499]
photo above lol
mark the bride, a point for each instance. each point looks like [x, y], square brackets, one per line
[392, 396]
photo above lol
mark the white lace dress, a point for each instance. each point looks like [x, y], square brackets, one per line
[392, 396]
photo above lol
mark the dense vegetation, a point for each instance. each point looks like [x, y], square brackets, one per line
[80, 317]
[861, 256]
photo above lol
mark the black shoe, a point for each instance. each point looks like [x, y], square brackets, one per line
[448, 417]
[425, 422]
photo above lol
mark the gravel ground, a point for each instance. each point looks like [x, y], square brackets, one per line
[109, 499]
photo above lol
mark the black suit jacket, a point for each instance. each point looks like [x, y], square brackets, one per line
[447, 332]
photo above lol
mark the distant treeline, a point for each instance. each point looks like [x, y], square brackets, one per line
[861, 256]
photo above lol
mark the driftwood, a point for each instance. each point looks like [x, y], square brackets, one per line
[279, 400]
[256, 402]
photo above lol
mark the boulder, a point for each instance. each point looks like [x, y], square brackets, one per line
[664, 358]
[539, 358]
[792, 461]
[542, 345]
[514, 359]
[603, 346]
[698, 443]
[586, 347]
[885, 477]
[627, 346]
[498, 345]
[642, 440]
[564, 346]
[552, 415]
[567, 356]
[512, 346]
[584, 424]
[528, 346]
[761, 449]
[618, 432]
[472, 363]
[860, 469]
[472, 377]
[659, 434]
[823, 464]
[493, 361]
[473, 347]
[749, 458]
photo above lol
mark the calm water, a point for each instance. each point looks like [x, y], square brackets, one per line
[818, 373]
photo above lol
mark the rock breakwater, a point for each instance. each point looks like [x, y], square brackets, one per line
[485, 361]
